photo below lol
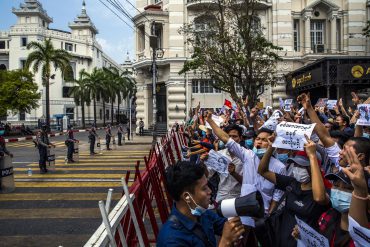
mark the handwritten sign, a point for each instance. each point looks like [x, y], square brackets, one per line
[321, 102]
[331, 103]
[273, 121]
[287, 104]
[291, 135]
[218, 162]
[364, 110]
[217, 119]
[309, 237]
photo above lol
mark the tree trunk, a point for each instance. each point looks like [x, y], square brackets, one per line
[94, 110]
[118, 115]
[112, 115]
[83, 114]
[104, 112]
[47, 99]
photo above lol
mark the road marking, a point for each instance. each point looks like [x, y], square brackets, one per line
[58, 196]
[50, 213]
[85, 169]
[67, 184]
[69, 175]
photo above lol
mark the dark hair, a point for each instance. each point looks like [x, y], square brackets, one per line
[362, 145]
[342, 137]
[182, 176]
[345, 119]
[265, 130]
[234, 127]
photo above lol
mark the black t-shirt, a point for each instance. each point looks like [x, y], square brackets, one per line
[298, 203]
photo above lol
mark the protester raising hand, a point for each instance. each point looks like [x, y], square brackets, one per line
[304, 99]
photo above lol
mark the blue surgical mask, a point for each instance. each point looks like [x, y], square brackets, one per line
[2, 132]
[203, 133]
[282, 157]
[249, 143]
[340, 200]
[259, 152]
[366, 135]
[198, 210]
[221, 145]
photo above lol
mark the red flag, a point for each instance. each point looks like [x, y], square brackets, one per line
[228, 104]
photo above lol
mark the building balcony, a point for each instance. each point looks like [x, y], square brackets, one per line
[261, 4]
[201, 4]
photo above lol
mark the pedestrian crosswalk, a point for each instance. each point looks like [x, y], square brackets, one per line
[30, 144]
[64, 199]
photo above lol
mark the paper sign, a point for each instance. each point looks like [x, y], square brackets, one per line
[321, 102]
[331, 103]
[217, 119]
[272, 122]
[364, 110]
[291, 135]
[287, 104]
[218, 162]
[260, 105]
[281, 102]
[309, 237]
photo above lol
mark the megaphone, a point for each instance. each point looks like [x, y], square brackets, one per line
[250, 205]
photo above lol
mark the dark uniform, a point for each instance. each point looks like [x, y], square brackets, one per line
[70, 145]
[92, 139]
[3, 149]
[141, 127]
[120, 132]
[128, 132]
[43, 144]
[108, 136]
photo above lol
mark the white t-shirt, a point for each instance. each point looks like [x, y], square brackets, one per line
[333, 154]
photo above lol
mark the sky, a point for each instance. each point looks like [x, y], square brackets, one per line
[116, 37]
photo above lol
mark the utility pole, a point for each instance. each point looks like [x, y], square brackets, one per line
[154, 46]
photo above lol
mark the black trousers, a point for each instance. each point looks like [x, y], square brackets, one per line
[43, 157]
[92, 145]
[141, 131]
[119, 135]
[70, 150]
[107, 141]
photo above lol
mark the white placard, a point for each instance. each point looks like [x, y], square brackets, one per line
[291, 135]
[217, 119]
[287, 104]
[359, 234]
[218, 162]
[364, 110]
[309, 237]
[331, 103]
[272, 122]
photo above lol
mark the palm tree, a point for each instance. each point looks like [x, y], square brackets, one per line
[46, 57]
[94, 85]
[80, 93]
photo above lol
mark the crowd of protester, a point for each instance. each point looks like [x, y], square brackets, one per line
[326, 185]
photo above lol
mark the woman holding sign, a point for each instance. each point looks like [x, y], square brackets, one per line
[305, 192]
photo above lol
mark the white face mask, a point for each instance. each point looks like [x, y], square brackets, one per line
[301, 174]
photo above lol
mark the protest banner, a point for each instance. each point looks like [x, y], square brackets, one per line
[321, 102]
[288, 104]
[364, 110]
[308, 237]
[331, 103]
[291, 135]
[218, 162]
[273, 121]
[217, 119]
[281, 103]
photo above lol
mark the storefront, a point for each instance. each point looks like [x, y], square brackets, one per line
[332, 78]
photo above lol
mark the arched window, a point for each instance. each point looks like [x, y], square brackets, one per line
[2, 67]
[204, 27]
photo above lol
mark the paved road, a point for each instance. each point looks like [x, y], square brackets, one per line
[61, 208]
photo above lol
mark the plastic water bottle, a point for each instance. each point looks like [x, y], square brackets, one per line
[29, 172]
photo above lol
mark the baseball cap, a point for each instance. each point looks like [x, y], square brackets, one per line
[339, 175]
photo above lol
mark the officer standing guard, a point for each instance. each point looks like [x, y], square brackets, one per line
[141, 127]
[92, 139]
[3, 149]
[120, 133]
[108, 136]
[43, 144]
[70, 142]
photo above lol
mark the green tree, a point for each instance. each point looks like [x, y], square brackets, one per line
[18, 92]
[366, 30]
[94, 85]
[45, 57]
[81, 94]
[231, 50]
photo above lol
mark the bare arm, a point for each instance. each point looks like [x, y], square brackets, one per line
[222, 135]
[263, 168]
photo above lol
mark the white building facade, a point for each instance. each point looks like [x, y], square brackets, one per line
[307, 30]
[33, 24]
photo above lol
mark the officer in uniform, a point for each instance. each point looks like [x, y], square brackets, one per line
[43, 144]
[92, 139]
[120, 133]
[70, 142]
[3, 149]
[108, 136]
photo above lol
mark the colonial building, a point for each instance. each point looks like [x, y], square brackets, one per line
[33, 24]
[307, 30]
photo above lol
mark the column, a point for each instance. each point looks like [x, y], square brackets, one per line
[307, 33]
[333, 35]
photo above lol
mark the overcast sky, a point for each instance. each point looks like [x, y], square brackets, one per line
[114, 35]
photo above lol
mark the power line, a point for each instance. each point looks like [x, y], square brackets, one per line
[117, 15]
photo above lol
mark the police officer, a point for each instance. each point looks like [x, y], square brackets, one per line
[43, 144]
[92, 139]
[70, 142]
[108, 136]
[120, 133]
[3, 149]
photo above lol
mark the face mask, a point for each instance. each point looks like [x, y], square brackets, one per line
[340, 200]
[221, 145]
[259, 152]
[301, 174]
[282, 157]
[366, 135]
[249, 143]
[203, 133]
[198, 210]
[2, 132]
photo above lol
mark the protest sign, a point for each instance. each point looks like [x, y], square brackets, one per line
[291, 135]
[331, 103]
[217, 119]
[281, 103]
[287, 104]
[321, 102]
[309, 237]
[364, 110]
[273, 120]
[218, 162]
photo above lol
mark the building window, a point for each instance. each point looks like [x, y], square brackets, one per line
[97, 53]
[27, 19]
[22, 63]
[106, 114]
[195, 86]
[339, 34]
[2, 67]
[317, 36]
[158, 31]
[141, 31]
[24, 41]
[70, 112]
[66, 93]
[43, 23]
[296, 34]
[206, 86]
[2, 44]
[22, 116]
[68, 47]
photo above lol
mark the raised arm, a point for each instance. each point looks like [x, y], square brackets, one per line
[263, 168]
[320, 129]
[222, 135]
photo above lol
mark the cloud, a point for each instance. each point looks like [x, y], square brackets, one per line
[117, 49]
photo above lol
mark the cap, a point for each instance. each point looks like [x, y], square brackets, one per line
[202, 127]
[249, 134]
[300, 160]
[339, 175]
